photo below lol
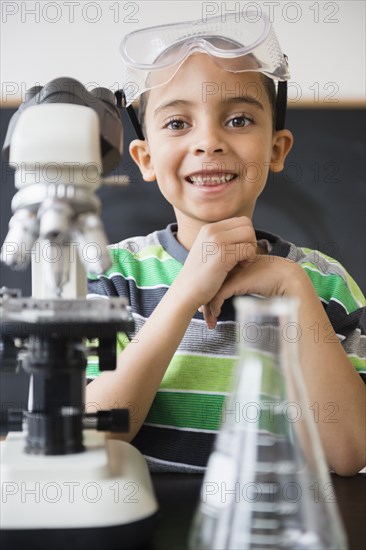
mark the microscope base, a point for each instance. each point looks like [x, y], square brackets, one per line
[101, 498]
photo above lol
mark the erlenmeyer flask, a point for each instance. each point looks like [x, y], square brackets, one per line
[267, 485]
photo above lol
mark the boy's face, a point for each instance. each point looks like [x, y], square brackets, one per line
[210, 142]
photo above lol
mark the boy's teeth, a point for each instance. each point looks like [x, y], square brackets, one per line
[211, 180]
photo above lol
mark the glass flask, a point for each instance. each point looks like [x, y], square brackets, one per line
[267, 485]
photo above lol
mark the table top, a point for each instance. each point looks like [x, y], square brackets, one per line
[178, 495]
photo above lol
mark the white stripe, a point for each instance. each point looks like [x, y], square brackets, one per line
[97, 296]
[213, 355]
[344, 279]
[341, 304]
[333, 299]
[134, 255]
[142, 241]
[193, 320]
[200, 392]
[278, 437]
[196, 354]
[356, 355]
[178, 464]
[154, 257]
[168, 427]
[130, 278]
[314, 256]
[317, 270]
[224, 394]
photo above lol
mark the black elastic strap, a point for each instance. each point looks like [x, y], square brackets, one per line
[121, 103]
[281, 105]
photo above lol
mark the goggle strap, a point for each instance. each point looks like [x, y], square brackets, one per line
[121, 103]
[281, 104]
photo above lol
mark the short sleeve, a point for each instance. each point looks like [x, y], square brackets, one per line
[343, 302]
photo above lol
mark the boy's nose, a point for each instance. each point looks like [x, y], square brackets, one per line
[208, 141]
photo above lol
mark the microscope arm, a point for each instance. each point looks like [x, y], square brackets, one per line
[62, 140]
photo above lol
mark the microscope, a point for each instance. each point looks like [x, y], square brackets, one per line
[62, 482]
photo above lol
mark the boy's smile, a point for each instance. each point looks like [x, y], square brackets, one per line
[210, 178]
[210, 143]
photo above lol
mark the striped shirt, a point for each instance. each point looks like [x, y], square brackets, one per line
[180, 428]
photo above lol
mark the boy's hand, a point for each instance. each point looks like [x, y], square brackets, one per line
[267, 276]
[218, 248]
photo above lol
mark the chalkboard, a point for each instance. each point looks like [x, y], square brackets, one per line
[318, 201]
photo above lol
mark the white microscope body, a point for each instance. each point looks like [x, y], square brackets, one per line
[61, 481]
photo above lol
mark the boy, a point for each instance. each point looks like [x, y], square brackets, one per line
[211, 137]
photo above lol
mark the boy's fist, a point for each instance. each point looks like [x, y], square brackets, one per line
[218, 248]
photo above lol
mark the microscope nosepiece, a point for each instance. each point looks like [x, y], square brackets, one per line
[17, 248]
[93, 244]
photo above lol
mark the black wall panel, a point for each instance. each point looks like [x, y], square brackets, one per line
[318, 201]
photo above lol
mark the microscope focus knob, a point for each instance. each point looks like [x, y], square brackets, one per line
[11, 421]
[114, 420]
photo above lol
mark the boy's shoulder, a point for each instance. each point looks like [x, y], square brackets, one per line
[137, 241]
[139, 248]
[139, 264]
[328, 274]
[145, 259]
[330, 278]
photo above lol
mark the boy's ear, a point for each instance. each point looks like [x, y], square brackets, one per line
[140, 152]
[281, 146]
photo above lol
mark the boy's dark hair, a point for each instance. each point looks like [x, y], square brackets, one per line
[268, 84]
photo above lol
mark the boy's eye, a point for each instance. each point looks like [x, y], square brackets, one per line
[239, 121]
[176, 124]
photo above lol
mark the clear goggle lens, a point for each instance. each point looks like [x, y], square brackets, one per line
[152, 56]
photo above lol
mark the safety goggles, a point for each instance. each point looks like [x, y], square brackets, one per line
[240, 42]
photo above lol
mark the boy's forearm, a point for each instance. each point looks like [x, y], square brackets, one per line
[142, 365]
[336, 392]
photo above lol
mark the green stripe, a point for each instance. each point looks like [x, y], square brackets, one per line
[351, 283]
[150, 267]
[356, 291]
[156, 251]
[146, 272]
[184, 410]
[216, 374]
[359, 363]
[331, 286]
[207, 412]
[122, 342]
[347, 281]
[92, 369]
[199, 373]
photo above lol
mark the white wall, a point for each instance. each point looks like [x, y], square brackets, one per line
[325, 42]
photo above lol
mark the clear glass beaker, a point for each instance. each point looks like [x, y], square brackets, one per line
[267, 485]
